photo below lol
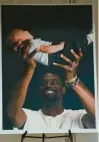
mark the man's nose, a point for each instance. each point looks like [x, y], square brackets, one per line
[49, 84]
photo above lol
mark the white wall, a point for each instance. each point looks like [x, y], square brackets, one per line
[87, 137]
[17, 138]
[79, 138]
[42, 1]
[83, 1]
[10, 138]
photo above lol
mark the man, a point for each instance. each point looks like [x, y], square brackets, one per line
[52, 115]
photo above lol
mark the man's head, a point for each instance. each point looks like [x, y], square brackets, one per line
[52, 86]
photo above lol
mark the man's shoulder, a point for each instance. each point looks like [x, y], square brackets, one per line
[75, 113]
[74, 110]
[30, 111]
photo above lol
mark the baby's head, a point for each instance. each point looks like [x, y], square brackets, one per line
[17, 37]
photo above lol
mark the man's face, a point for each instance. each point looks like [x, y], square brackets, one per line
[51, 87]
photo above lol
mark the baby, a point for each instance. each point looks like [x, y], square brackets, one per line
[16, 41]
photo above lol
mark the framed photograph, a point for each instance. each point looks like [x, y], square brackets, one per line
[48, 70]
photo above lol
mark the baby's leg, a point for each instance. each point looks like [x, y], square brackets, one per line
[51, 48]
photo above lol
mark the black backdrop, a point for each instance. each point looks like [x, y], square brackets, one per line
[52, 23]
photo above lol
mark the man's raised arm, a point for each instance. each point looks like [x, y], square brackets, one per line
[14, 108]
[73, 81]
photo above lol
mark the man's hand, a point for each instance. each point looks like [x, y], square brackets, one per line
[70, 69]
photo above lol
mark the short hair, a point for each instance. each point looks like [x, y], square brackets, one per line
[54, 70]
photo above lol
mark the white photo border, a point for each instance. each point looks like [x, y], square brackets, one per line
[1, 93]
[95, 130]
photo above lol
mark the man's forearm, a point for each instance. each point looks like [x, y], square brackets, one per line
[86, 97]
[19, 93]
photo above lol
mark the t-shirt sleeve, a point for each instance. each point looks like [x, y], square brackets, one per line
[38, 42]
[88, 121]
[83, 119]
[31, 119]
[45, 43]
[77, 117]
[35, 43]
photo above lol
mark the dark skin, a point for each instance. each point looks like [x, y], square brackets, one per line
[52, 91]
[81, 90]
[14, 109]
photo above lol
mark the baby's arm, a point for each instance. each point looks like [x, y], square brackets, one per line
[51, 48]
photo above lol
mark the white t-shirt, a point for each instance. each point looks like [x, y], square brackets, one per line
[68, 119]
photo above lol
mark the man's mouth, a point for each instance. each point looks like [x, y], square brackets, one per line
[49, 92]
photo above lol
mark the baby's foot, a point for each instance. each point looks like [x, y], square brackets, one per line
[90, 37]
[62, 45]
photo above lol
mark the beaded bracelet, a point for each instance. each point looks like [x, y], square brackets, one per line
[71, 80]
[73, 83]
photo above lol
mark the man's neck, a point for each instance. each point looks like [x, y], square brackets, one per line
[53, 110]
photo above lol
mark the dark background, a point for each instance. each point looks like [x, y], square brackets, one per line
[52, 23]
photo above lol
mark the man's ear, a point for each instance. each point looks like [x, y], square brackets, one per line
[64, 90]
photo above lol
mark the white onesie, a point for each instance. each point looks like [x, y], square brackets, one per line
[39, 56]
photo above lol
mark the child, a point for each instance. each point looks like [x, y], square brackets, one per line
[43, 48]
